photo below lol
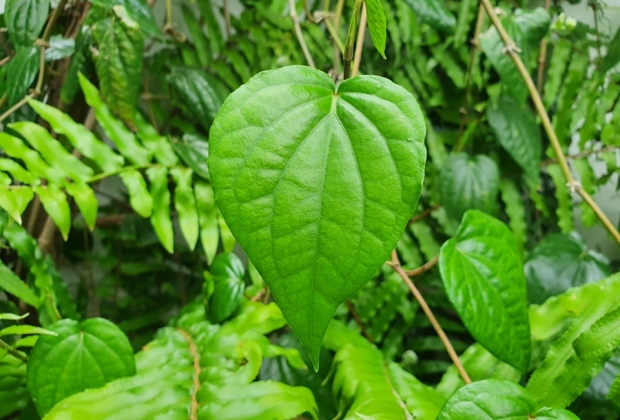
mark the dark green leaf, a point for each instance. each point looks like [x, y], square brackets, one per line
[25, 20]
[468, 183]
[137, 10]
[21, 70]
[86, 355]
[560, 262]
[13, 285]
[71, 85]
[433, 13]
[483, 276]
[227, 270]
[194, 150]
[377, 25]
[612, 57]
[317, 184]
[59, 48]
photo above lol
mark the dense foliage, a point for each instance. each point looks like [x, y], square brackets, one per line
[218, 210]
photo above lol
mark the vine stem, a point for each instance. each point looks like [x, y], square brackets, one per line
[360, 42]
[571, 183]
[300, 35]
[431, 317]
[425, 267]
[348, 48]
[10, 350]
[542, 57]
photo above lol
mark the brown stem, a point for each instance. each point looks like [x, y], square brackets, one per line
[423, 215]
[358, 320]
[431, 317]
[425, 267]
[309, 15]
[360, 42]
[300, 35]
[511, 50]
[196, 357]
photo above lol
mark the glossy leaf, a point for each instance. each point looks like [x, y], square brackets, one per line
[483, 276]
[56, 206]
[59, 48]
[25, 20]
[13, 285]
[377, 25]
[434, 14]
[139, 197]
[160, 219]
[194, 150]
[227, 270]
[86, 355]
[25, 329]
[185, 205]
[466, 183]
[318, 186]
[207, 217]
[560, 262]
[21, 70]
[516, 129]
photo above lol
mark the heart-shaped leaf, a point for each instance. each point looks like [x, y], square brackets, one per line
[317, 183]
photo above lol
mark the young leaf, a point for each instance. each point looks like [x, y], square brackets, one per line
[160, 219]
[433, 13]
[483, 276]
[8, 202]
[468, 183]
[86, 355]
[55, 204]
[516, 129]
[13, 285]
[376, 24]
[21, 72]
[139, 197]
[317, 184]
[86, 201]
[227, 270]
[25, 329]
[185, 204]
[207, 216]
[194, 150]
[25, 20]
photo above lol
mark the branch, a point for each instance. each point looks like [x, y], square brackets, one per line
[300, 35]
[15, 353]
[348, 48]
[511, 50]
[427, 310]
[425, 213]
[543, 56]
[425, 267]
[358, 320]
[360, 42]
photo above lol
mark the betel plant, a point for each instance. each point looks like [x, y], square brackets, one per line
[317, 180]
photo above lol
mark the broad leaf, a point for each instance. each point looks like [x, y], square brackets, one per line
[434, 13]
[317, 184]
[21, 70]
[86, 355]
[25, 20]
[377, 25]
[560, 262]
[483, 276]
[468, 183]
[13, 285]
[227, 271]
[516, 129]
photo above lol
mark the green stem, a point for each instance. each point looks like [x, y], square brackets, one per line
[348, 48]
[10, 350]
[103, 175]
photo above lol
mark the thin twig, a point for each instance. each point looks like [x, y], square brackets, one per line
[227, 19]
[425, 267]
[15, 353]
[511, 50]
[300, 35]
[582, 154]
[431, 317]
[360, 42]
[309, 15]
[358, 320]
[425, 213]
[542, 57]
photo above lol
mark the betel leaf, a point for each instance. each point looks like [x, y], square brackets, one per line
[377, 25]
[495, 399]
[468, 182]
[483, 276]
[21, 72]
[516, 129]
[433, 13]
[86, 355]
[317, 184]
[227, 271]
[25, 20]
[560, 262]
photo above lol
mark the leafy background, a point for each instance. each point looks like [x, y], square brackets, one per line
[119, 228]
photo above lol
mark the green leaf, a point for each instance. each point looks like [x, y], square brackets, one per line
[212, 25]
[614, 391]
[8, 203]
[21, 72]
[25, 329]
[12, 317]
[160, 219]
[194, 150]
[201, 43]
[158, 145]
[377, 25]
[139, 197]
[612, 57]
[483, 277]
[86, 201]
[77, 65]
[13, 285]
[603, 337]
[468, 182]
[56, 206]
[433, 13]
[565, 203]
[118, 62]
[560, 262]
[516, 129]
[227, 270]
[25, 20]
[185, 204]
[208, 219]
[513, 202]
[422, 401]
[495, 399]
[83, 355]
[59, 48]
[317, 184]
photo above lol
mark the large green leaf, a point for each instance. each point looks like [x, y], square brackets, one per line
[25, 19]
[468, 182]
[377, 25]
[317, 184]
[483, 276]
[21, 72]
[560, 262]
[434, 13]
[516, 129]
[86, 355]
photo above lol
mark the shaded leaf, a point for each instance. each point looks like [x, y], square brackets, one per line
[377, 25]
[612, 57]
[25, 20]
[160, 219]
[21, 72]
[59, 48]
[185, 205]
[433, 13]
[227, 270]
[13, 285]
[194, 150]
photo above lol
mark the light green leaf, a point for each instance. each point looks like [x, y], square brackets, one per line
[56, 206]
[483, 276]
[516, 129]
[227, 237]
[156, 144]
[317, 184]
[25, 329]
[194, 150]
[13, 285]
[17, 172]
[185, 204]
[86, 201]
[59, 48]
[614, 391]
[422, 401]
[25, 20]
[12, 317]
[227, 270]
[207, 216]
[8, 203]
[562, 193]
[16, 148]
[603, 337]
[377, 25]
[160, 219]
[468, 182]
[83, 355]
[139, 197]
[21, 71]
[513, 205]
[433, 13]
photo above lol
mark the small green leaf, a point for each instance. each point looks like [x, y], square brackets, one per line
[483, 276]
[158, 145]
[565, 203]
[25, 329]
[612, 57]
[13, 285]
[8, 203]
[139, 197]
[160, 219]
[228, 273]
[77, 65]
[25, 20]
[468, 182]
[59, 48]
[317, 184]
[377, 25]
[21, 70]
[86, 355]
[185, 204]
[194, 150]
[16, 148]
[12, 317]
[17, 172]
[513, 205]
[208, 217]
[433, 13]
[86, 201]
[55, 204]
[516, 129]
[603, 337]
